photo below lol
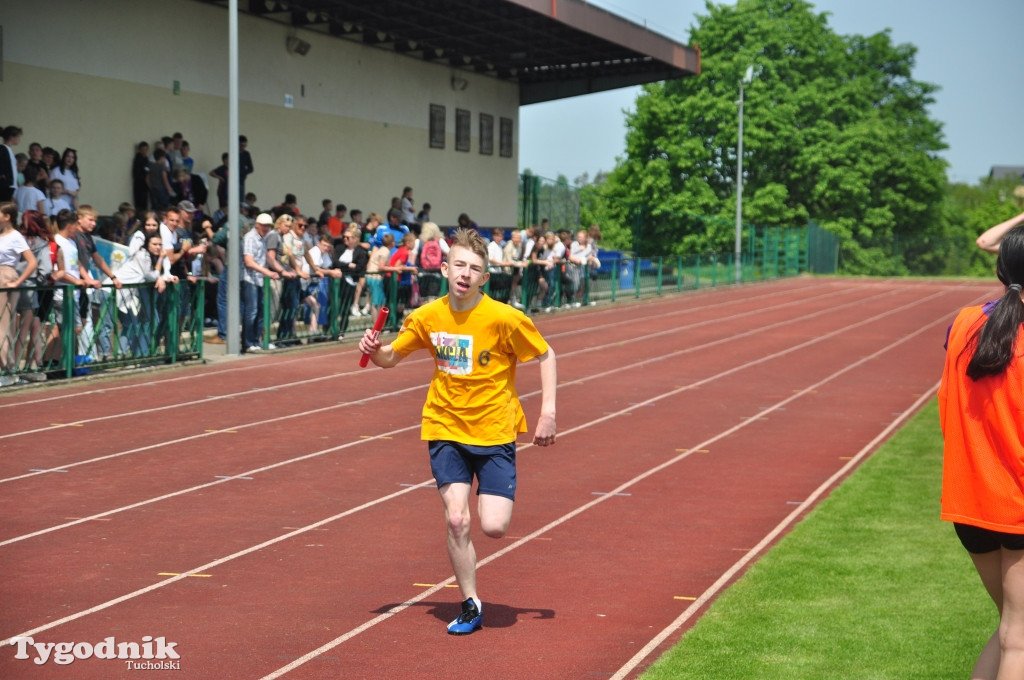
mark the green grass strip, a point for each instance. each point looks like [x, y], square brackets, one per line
[871, 584]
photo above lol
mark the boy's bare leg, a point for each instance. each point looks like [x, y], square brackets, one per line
[495, 514]
[460, 547]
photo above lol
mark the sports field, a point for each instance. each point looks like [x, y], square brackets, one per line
[274, 516]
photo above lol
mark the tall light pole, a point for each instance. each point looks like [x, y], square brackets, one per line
[747, 77]
[234, 250]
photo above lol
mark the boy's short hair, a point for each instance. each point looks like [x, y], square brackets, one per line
[66, 217]
[471, 240]
[87, 210]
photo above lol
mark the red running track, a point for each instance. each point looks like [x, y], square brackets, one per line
[275, 516]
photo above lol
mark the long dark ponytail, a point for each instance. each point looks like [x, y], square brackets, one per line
[995, 342]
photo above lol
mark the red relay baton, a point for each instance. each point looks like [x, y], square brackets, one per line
[378, 326]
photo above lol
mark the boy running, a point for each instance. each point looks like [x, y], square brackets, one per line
[472, 415]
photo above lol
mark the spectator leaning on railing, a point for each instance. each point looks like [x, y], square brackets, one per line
[13, 248]
[88, 256]
[351, 260]
[375, 268]
[499, 268]
[70, 271]
[402, 264]
[512, 252]
[134, 305]
[36, 302]
[293, 258]
[254, 268]
[432, 253]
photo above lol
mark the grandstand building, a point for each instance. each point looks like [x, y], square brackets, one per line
[342, 99]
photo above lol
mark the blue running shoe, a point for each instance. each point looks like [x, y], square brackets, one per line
[469, 620]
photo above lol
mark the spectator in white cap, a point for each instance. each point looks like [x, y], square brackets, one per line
[254, 268]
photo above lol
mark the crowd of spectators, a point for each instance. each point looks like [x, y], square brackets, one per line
[174, 232]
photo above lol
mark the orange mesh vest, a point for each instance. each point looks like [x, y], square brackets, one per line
[983, 427]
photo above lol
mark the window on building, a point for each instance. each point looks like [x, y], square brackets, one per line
[506, 138]
[437, 113]
[486, 134]
[463, 122]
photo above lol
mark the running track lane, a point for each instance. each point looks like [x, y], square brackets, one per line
[599, 568]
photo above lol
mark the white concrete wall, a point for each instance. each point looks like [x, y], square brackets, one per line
[98, 76]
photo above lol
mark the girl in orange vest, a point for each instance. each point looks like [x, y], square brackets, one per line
[981, 405]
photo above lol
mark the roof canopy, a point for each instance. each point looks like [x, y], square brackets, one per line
[552, 48]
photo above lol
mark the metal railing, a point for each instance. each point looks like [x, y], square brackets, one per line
[62, 331]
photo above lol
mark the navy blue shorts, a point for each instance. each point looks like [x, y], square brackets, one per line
[979, 541]
[493, 466]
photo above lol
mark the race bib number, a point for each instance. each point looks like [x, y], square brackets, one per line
[454, 353]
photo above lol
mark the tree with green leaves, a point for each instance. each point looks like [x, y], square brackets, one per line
[836, 130]
[969, 211]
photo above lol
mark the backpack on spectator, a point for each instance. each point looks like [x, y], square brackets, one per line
[431, 255]
[44, 263]
[44, 266]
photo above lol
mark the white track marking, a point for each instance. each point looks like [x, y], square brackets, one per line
[603, 311]
[652, 471]
[592, 348]
[728, 575]
[210, 374]
[535, 534]
[662, 357]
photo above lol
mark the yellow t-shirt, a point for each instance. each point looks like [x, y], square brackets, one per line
[472, 397]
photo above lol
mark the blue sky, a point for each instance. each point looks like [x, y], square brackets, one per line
[971, 50]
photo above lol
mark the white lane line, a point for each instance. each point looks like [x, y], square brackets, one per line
[626, 485]
[727, 576]
[209, 374]
[621, 488]
[632, 366]
[816, 284]
[677, 329]
[211, 565]
[213, 433]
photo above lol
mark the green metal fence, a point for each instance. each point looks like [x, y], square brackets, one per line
[61, 331]
[822, 250]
